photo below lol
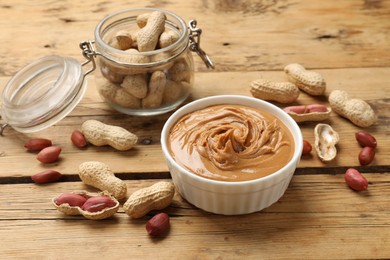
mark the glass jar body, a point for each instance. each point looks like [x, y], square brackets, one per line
[137, 82]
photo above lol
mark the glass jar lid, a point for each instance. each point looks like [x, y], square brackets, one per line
[42, 93]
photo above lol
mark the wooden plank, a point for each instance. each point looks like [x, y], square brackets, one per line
[272, 236]
[329, 193]
[318, 218]
[369, 84]
[240, 36]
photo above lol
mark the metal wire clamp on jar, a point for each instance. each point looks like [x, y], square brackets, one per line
[148, 82]
[48, 89]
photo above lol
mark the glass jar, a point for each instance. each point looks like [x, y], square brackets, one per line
[138, 82]
[45, 91]
[135, 78]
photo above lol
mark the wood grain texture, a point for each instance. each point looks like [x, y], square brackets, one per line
[243, 35]
[319, 217]
[367, 83]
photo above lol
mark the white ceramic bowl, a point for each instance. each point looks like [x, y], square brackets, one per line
[232, 198]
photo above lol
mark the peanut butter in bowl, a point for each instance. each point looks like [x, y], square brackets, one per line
[231, 154]
[231, 143]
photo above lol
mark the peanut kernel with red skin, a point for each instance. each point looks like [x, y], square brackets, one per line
[316, 108]
[98, 203]
[355, 180]
[37, 144]
[46, 176]
[364, 138]
[49, 154]
[366, 155]
[78, 139]
[304, 109]
[73, 200]
[307, 147]
[158, 225]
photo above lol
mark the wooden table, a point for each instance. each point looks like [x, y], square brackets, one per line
[319, 217]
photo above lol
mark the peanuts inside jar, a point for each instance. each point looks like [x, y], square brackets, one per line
[145, 65]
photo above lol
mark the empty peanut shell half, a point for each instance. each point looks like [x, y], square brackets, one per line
[325, 142]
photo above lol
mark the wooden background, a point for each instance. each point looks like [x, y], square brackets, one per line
[347, 41]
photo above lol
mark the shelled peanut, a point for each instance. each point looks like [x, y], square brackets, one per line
[308, 81]
[155, 197]
[282, 92]
[100, 134]
[99, 175]
[287, 92]
[356, 110]
[148, 80]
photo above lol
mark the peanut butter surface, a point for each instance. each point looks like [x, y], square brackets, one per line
[231, 143]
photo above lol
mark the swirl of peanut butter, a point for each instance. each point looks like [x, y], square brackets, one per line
[231, 143]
